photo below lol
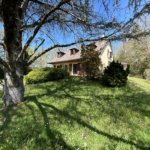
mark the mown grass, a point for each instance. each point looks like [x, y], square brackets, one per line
[78, 114]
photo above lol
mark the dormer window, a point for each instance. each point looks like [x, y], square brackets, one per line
[73, 51]
[60, 54]
[90, 46]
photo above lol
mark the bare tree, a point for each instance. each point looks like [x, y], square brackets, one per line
[30, 17]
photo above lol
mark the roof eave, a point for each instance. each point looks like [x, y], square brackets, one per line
[63, 61]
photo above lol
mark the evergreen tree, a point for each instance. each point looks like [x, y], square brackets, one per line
[90, 61]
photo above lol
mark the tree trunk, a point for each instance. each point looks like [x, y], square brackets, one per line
[13, 88]
[13, 92]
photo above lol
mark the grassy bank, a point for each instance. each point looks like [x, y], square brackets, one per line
[78, 114]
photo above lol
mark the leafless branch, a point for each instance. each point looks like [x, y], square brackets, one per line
[102, 38]
[34, 51]
[62, 2]
[24, 5]
[31, 26]
[2, 44]
[63, 45]
[48, 36]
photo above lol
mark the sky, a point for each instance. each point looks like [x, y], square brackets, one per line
[121, 15]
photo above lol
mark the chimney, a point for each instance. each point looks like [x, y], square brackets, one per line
[103, 35]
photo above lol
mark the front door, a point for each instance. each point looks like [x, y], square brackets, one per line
[75, 66]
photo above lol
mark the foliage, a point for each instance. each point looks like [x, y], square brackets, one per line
[68, 113]
[135, 52]
[45, 74]
[146, 74]
[90, 61]
[115, 75]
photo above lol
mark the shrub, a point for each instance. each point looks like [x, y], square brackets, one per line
[114, 75]
[41, 75]
[146, 74]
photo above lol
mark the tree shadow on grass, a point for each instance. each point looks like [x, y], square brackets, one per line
[30, 130]
[49, 132]
[84, 124]
[128, 98]
[73, 86]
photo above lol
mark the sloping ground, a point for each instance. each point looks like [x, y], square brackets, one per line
[77, 114]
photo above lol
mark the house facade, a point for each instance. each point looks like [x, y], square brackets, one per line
[71, 58]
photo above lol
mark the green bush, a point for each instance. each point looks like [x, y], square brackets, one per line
[146, 74]
[114, 75]
[41, 75]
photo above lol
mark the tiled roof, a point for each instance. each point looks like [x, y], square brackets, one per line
[77, 56]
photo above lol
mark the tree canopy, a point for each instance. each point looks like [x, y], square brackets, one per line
[135, 52]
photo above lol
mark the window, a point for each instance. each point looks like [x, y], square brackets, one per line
[110, 54]
[90, 46]
[73, 51]
[75, 68]
[60, 54]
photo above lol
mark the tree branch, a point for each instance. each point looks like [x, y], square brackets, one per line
[41, 3]
[40, 25]
[2, 44]
[4, 64]
[63, 45]
[82, 40]
[24, 5]
[72, 14]
[34, 51]
[35, 24]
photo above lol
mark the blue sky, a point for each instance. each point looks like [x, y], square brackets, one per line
[120, 14]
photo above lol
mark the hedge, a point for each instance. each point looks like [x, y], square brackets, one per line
[41, 75]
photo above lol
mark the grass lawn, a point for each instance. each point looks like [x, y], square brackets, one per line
[77, 114]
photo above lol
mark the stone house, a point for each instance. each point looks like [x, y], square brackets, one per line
[71, 57]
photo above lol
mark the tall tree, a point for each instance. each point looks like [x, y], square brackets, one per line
[91, 62]
[30, 17]
[135, 52]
